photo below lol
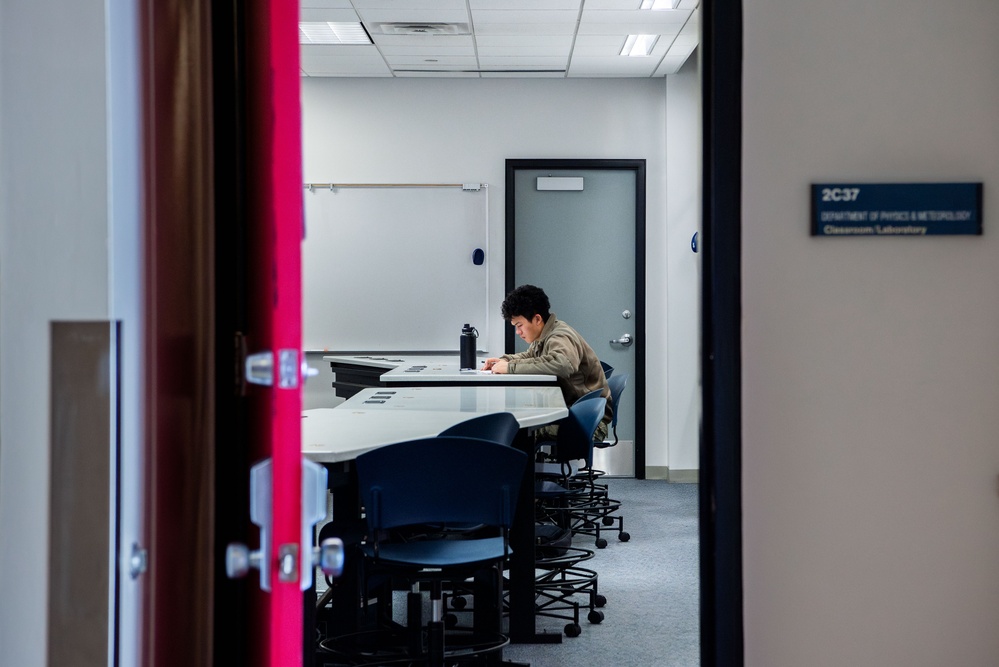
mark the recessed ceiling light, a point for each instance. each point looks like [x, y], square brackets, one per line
[327, 32]
[639, 45]
[659, 4]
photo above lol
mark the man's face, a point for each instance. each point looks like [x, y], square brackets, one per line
[528, 329]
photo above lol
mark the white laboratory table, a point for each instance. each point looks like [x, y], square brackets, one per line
[354, 372]
[375, 417]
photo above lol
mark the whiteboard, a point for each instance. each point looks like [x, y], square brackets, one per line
[391, 268]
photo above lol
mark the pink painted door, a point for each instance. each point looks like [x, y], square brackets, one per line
[275, 315]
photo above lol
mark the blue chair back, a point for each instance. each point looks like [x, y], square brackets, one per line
[608, 369]
[591, 394]
[575, 433]
[500, 427]
[440, 480]
[617, 385]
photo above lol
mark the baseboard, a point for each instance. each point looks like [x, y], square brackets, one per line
[684, 476]
[675, 476]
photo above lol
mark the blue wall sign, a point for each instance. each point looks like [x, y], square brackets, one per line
[896, 209]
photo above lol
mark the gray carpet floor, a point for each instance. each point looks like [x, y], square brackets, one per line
[651, 582]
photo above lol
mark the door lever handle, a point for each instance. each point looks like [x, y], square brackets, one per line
[625, 340]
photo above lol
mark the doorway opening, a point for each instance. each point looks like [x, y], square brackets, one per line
[720, 520]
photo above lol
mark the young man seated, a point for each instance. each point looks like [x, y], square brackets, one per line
[555, 348]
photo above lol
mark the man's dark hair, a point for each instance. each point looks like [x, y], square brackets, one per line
[526, 301]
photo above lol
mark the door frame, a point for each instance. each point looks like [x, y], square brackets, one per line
[722, 632]
[178, 319]
[720, 452]
[638, 167]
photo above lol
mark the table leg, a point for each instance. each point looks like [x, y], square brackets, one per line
[522, 594]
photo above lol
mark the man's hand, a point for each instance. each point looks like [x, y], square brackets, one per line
[496, 365]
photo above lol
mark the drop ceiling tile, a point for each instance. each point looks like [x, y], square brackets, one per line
[671, 65]
[524, 4]
[443, 62]
[628, 29]
[325, 4]
[409, 74]
[413, 15]
[603, 17]
[599, 45]
[523, 75]
[682, 45]
[409, 5]
[512, 51]
[535, 29]
[619, 5]
[508, 63]
[523, 41]
[693, 21]
[598, 40]
[339, 50]
[555, 16]
[428, 41]
[324, 65]
[427, 51]
[333, 15]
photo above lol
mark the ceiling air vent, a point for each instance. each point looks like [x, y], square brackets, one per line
[421, 28]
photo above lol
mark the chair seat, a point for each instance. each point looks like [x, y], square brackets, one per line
[439, 553]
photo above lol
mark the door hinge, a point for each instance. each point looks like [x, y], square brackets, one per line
[138, 561]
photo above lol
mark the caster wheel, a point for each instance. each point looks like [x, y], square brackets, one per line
[601, 543]
[608, 521]
[458, 602]
[624, 537]
[450, 621]
[573, 630]
[589, 525]
[599, 600]
[595, 616]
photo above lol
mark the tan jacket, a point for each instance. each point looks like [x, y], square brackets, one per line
[562, 352]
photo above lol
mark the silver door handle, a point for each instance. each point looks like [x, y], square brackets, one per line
[625, 340]
[329, 555]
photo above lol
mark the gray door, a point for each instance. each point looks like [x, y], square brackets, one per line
[581, 247]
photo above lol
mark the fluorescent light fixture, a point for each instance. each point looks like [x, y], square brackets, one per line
[326, 32]
[639, 45]
[659, 4]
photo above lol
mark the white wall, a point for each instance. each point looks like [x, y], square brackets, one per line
[683, 269]
[870, 365]
[54, 265]
[453, 131]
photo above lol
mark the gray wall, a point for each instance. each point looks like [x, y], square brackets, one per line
[870, 365]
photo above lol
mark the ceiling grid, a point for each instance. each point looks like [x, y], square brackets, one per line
[500, 38]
